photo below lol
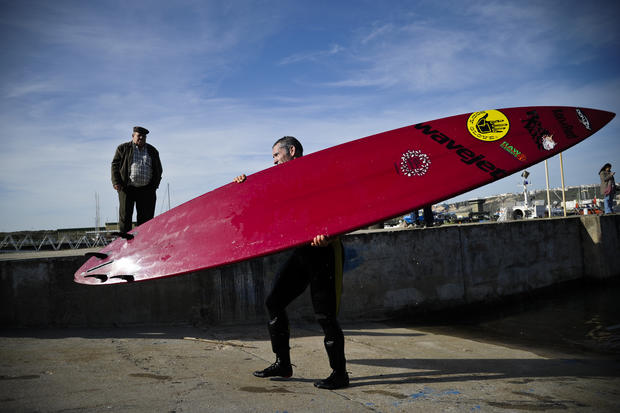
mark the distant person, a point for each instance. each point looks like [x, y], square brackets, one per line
[318, 264]
[608, 187]
[427, 216]
[429, 219]
[415, 217]
[136, 174]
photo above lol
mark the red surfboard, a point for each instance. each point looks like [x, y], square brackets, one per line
[341, 189]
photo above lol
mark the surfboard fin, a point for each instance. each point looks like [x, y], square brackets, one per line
[96, 267]
[124, 235]
[128, 278]
[101, 277]
[99, 255]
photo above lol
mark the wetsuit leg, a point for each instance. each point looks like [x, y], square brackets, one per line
[279, 333]
[334, 344]
[326, 288]
[290, 282]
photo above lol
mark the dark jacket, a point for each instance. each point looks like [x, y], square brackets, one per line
[121, 165]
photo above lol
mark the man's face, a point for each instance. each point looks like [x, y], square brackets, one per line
[138, 139]
[282, 154]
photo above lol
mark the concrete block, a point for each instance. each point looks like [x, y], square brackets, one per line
[600, 240]
[387, 273]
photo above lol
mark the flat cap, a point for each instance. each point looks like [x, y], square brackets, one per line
[141, 130]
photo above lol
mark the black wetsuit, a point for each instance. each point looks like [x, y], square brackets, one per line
[321, 268]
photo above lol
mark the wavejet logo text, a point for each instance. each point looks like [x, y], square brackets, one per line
[467, 156]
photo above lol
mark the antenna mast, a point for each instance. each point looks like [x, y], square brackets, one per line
[97, 213]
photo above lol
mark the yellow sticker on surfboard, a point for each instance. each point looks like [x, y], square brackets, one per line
[488, 125]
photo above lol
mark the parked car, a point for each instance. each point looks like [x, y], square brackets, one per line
[411, 219]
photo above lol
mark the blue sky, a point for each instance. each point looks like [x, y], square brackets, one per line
[217, 82]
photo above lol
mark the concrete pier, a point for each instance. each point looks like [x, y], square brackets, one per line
[392, 368]
[509, 317]
[387, 274]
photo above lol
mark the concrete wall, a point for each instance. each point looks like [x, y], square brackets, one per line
[387, 273]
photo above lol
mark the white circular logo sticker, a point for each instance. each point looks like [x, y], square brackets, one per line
[414, 163]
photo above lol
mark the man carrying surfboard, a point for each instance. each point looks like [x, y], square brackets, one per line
[318, 264]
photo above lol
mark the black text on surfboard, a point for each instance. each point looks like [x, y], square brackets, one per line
[467, 156]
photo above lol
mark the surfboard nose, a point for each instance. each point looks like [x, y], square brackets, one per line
[594, 119]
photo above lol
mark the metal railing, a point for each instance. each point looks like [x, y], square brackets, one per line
[28, 243]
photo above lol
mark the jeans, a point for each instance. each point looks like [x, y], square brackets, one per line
[609, 204]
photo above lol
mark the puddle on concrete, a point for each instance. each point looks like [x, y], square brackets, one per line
[576, 317]
[150, 376]
[528, 406]
[387, 393]
[251, 389]
[27, 377]
[540, 403]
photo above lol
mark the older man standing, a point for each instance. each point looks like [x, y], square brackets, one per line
[136, 174]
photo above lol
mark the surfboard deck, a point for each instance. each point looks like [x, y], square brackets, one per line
[340, 189]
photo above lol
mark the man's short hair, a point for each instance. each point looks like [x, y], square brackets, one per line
[288, 142]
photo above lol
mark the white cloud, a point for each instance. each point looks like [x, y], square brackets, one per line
[379, 31]
[311, 55]
[494, 42]
[205, 79]
[31, 87]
